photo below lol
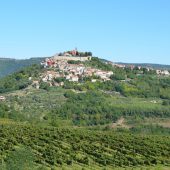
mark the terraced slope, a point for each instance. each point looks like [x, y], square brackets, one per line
[60, 147]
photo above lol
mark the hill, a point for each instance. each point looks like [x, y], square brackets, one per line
[8, 66]
[115, 93]
[150, 65]
[85, 115]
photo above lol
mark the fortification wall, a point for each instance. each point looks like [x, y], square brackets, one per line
[76, 58]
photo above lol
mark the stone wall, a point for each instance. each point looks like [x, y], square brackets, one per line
[76, 58]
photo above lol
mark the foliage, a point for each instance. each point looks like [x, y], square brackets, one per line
[19, 80]
[93, 108]
[21, 158]
[166, 102]
[150, 129]
[74, 62]
[97, 63]
[44, 85]
[57, 147]
[59, 79]
[9, 66]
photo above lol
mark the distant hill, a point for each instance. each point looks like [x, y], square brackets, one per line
[155, 66]
[8, 65]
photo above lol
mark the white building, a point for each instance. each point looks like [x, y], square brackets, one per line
[2, 98]
[166, 72]
[74, 79]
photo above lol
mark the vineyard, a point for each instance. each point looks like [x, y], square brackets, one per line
[62, 147]
[120, 124]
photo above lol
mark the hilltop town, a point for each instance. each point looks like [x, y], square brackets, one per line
[70, 66]
[76, 68]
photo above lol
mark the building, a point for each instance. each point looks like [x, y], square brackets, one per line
[2, 98]
[74, 78]
[163, 72]
[166, 73]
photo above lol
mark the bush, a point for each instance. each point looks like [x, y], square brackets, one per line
[44, 85]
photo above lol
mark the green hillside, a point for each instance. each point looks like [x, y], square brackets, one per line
[123, 123]
[8, 66]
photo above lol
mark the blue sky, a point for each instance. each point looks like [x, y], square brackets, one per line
[118, 30]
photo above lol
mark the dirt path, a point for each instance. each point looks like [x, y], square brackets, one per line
[120, 123]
